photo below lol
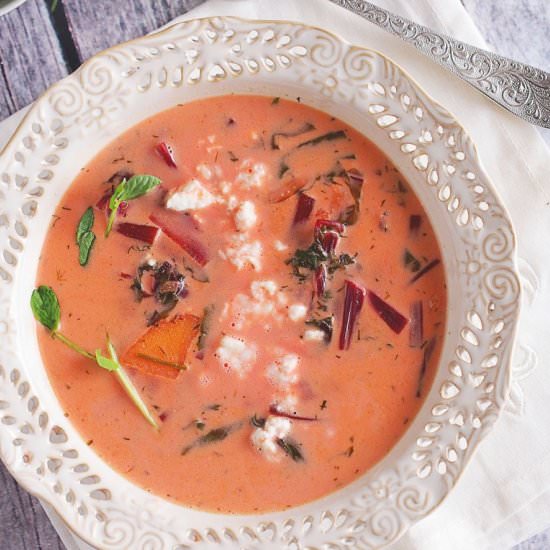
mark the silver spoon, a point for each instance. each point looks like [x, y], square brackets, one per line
[519, 88]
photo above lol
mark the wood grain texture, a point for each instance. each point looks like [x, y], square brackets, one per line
[31, 58]
[23, 523]
[97, 25]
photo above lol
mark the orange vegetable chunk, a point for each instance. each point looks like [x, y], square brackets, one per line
[162, 349]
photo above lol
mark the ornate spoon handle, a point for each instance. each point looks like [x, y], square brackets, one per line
[521, 89]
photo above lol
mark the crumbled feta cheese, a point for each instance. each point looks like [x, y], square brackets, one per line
[204, 171]
[259, 289]
[297, 312]
[283, 372]
[225, 187]
[191, 196]
[232, 202]
[314, 335]
[235, 354]
[280, 246]
[252, 175]
[245, 217]
[265, 439]
[242, 253]
[286, 403]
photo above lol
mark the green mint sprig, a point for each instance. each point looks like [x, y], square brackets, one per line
[128, 190]
[85, 237]
[46, 310]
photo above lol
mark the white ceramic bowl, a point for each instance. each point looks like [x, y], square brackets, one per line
[116, 89]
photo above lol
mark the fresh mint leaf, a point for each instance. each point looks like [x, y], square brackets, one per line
[85, 224]
[128, 190]
[291, 449]
[45, 307]
[85, 245]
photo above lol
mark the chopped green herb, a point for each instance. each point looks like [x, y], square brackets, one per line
[128, 190]
[324, 404]
[85, 238]
[213, 436]
[330, 136]
[85, 247]
[275, 101]
[283, 169]
[232, 156]
[205, 325]
[291, 449]
[213, 407]
[307, 127]
[161, 361]
[85, 224]
[200, 425]
[410, 261]
[258, 422]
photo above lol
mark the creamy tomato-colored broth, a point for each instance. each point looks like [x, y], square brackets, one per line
[302, 416]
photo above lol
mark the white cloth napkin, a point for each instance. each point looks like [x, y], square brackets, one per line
[504, 495]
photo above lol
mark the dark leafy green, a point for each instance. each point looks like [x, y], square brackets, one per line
[45, 307]
[213, 436]
[330, 136]
[410, 261]
[291, 449]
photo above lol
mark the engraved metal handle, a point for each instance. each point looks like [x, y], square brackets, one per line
[521, 89]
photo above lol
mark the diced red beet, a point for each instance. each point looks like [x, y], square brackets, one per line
[103, 202]
[181, 229]
[416, 328]
[274, 411]
[304, 208]
[321, 280]
[353, 303]
[163, 416]
[356, 180]
[127, 276]
[167, 154]
[325, 225]
[415, 221]
[145, 233]
[387, 313]
[329, 240]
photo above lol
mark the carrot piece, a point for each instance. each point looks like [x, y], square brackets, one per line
[161, 350]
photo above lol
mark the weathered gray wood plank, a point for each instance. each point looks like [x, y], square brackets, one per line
[30, 56]
[23, 523]
[97, 25]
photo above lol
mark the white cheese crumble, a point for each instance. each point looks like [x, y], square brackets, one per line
[242, 253]
[252, 175]
[286, 403]
[225, 187]
[280, 246]
[265, 439]
[236, 355]
[259, 289]
[204, 171]
[296, 312]
[245, 217]
[314, 335]
[283, 372]
[191, 196]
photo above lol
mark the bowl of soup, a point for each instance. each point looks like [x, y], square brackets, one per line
[256, 292]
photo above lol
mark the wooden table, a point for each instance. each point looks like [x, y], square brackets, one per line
[37, 48]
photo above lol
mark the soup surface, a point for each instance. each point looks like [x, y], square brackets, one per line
[286, 264]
